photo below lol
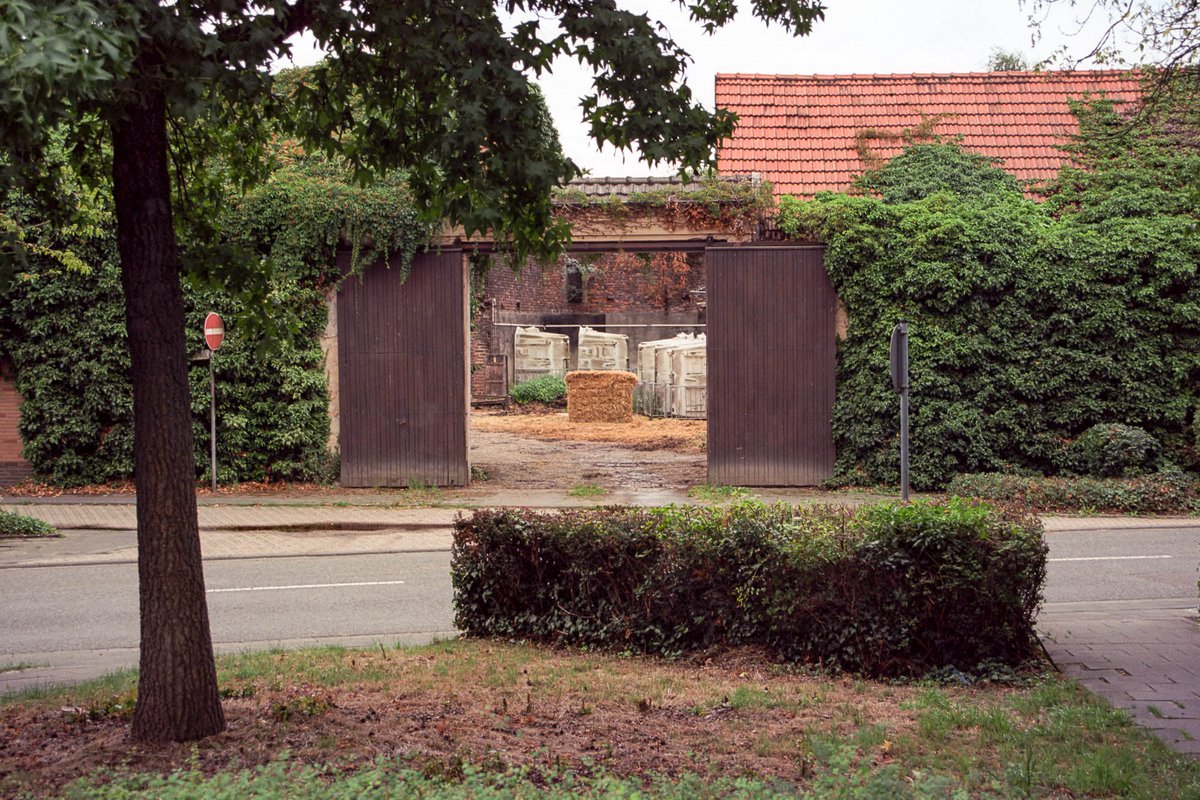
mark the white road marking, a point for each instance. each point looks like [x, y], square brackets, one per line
[306, 586]
[1109, 558]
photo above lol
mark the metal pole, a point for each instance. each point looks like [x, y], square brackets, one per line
[904, 446]
[212, 418]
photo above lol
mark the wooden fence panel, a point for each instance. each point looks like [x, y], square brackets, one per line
[771, 366]
[403, 374]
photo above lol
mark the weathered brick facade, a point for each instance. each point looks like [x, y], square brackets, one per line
[12, 467]
[640, 293]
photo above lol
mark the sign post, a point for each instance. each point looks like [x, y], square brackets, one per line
[899, 361]
[214, 335]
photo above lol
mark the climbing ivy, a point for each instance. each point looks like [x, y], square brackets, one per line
[1030, 322]
[63, 330]
[708, 202]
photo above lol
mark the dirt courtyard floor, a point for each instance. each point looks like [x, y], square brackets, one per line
[545, 450]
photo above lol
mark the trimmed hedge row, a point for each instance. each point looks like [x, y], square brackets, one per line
[1161, 493]
[889, 590]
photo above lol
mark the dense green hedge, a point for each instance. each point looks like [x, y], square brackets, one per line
[1029, 322]
[1161, 493]
[888, 590]
[64, 332]
[72, 369]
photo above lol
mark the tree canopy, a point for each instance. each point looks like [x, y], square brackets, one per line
[1160, 38]
[444, 90]
[1001, 60]
[176, 100]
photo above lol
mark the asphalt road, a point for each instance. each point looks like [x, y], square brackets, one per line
[1128, 564]
[82, 620]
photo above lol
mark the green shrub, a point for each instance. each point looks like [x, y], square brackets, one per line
[546, 389]
[1113, 451]
[890, 590]
[20, 525]
[1029, 322]
[278, 245]
[77, 409]
[932, 168]
[1161, 493]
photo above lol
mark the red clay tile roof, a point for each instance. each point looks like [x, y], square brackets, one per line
[803, 132]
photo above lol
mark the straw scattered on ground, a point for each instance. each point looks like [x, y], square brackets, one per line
[641, 433]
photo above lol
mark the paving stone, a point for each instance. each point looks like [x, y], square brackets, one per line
[1136, 659]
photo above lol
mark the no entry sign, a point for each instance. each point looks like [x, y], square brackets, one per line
[214, 330]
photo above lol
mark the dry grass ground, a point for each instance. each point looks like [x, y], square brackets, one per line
[502, 705]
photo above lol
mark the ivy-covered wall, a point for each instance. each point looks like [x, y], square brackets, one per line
[63, 331]
[1029, 322]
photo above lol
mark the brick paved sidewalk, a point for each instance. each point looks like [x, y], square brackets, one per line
[1142, 656]
[104, 534]
[123, 517]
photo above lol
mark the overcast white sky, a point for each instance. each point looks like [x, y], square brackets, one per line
[857, 36]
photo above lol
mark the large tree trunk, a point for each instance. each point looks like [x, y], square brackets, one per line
[177, 687]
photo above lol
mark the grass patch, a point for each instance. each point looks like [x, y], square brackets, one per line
[19, 666]
[705, 493]
[481, 718]
[20, 526]
[587, 490]
[397, 780]
[93, 692]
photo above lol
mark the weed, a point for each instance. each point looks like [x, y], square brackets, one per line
[305, 705]
[753, 697]
[19, 666]
[869, 737]
[19, 526]
[119, 706]
[587, 490]
[705, 493]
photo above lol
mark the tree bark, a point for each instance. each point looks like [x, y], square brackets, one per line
[177, 686]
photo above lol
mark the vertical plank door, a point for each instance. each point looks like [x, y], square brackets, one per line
[771, 366]
[403, 373]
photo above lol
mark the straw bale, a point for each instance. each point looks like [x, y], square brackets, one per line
[600, 396]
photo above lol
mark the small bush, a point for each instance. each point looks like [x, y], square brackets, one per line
[15, 525]
[1113, 451]
[546, 389]
[1161, 493]
[891, 590]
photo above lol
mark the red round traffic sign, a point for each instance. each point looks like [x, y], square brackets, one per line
[214, 330]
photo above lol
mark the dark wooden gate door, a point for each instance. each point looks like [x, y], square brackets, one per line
[771, 361]
[403, 375]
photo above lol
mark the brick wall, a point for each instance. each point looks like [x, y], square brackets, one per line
[618, 289]
[12, 467]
